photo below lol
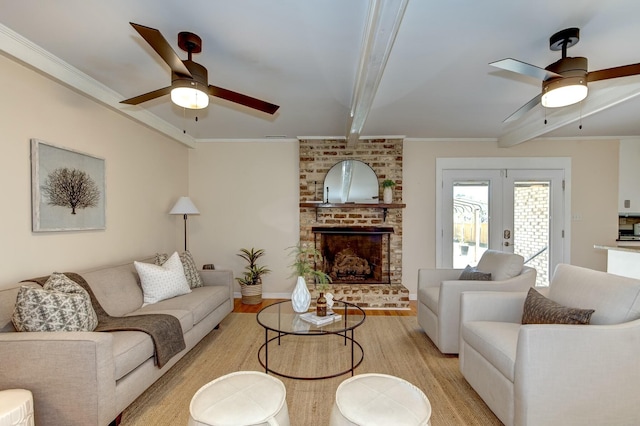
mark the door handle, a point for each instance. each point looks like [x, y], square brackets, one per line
[506, 244]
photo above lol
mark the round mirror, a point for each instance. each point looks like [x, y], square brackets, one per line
[351, 181]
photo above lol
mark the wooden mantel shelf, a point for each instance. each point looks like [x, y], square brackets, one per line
[379, 206]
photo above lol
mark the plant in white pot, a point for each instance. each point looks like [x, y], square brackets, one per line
[251, 280]
[305, 259]
[387, 191]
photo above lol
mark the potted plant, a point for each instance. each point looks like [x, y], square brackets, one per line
[251, 281]
[387, 191]
[305, 259]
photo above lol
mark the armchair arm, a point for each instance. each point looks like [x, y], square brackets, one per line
[433, 277]
[568, 374]
[71, 374]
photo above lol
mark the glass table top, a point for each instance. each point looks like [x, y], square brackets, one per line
[281, 317]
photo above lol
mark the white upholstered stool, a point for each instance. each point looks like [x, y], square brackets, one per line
[241, 398]
[379, 399]
[16, 408]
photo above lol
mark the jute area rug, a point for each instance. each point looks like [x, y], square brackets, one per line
[392, 345]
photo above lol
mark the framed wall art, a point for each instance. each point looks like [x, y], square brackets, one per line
[67, 189]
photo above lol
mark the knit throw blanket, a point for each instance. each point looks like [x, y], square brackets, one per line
[165, 330]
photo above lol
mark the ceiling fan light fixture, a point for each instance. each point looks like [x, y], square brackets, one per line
[189, 94]
[564, 91]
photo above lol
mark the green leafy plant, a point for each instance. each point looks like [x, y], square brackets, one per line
[388, 183]
[305, 259]
[254, 273]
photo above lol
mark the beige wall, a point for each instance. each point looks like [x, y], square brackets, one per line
[145, 173]
[248, 194]
[594, 195]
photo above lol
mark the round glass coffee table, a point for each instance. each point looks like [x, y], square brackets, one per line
[280, 318]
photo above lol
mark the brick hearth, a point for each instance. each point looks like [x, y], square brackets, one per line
[384, 156]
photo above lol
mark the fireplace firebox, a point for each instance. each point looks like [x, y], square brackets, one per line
[355, 254]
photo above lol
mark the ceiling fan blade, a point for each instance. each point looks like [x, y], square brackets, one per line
[147, 96]
[243, 99]
[524, 68]
[162, 48]
[615, 72]
[524, 109]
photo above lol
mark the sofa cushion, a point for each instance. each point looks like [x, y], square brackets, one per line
[502, 266]
[200, 302]
[117, 288]
[60, 305]
[188, 264]
[616, 299]
[162, 282]
[130, 349]
[540, 310]
[471, 273]
[496, 342]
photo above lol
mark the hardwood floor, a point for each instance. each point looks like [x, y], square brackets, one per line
[411, 312]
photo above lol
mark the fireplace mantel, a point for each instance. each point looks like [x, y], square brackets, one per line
[379, 206]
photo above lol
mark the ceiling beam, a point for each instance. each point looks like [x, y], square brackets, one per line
[380, 32]
[605, 97]
[25, 51]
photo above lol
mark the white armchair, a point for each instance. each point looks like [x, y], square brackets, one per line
[439, 293]
[556, 374]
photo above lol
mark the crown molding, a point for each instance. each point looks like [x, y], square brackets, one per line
[32, 55]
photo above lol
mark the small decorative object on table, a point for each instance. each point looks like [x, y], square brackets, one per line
[321, 306]
[302, 267]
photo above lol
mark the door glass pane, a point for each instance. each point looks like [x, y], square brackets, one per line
[531, 220]
[470, 222]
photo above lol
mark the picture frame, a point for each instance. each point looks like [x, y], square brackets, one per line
[68, 189]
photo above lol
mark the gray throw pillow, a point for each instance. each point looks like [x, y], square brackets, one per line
[60, 305]
[541, 310]
[188, 264]
[471, 273]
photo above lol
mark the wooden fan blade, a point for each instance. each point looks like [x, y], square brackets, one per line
[147, 96]
[243, 99]
[615, 72]
[524, 68]
[524, 109]
[162, 48]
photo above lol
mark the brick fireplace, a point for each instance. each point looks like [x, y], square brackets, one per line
[382, 287]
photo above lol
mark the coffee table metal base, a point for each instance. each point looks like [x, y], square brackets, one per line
[348, 337]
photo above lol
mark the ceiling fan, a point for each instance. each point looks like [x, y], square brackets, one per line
[564, 82]
[189, 80]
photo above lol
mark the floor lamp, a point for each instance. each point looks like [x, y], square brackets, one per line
[184, 206]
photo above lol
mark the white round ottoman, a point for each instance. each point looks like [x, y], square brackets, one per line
[379, 399]
[16, 407]
[241, 398]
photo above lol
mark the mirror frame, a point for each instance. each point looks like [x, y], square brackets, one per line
[351, 181]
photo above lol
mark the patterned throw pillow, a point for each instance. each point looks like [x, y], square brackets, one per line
[540, 310]
[471, 273]
[60, 305]
[190, 269]
[162, 282]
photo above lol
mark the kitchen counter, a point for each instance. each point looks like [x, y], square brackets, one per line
[623, 261]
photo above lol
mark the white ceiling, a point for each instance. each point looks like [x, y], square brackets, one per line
[303, 55]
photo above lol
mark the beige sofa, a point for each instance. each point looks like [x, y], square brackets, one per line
[89, 378]
[439, 293]
[553, 374]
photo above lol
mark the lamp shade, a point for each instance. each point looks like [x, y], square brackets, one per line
[563, 92]
[184, 205]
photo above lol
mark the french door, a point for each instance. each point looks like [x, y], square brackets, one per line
[513, 210]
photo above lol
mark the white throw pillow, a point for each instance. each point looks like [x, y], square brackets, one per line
[162, 282]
